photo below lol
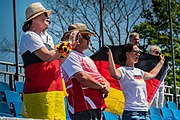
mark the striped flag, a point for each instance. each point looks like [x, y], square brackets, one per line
[115, 99]
[43, 96]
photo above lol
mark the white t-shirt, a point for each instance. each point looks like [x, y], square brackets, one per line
[47, 39]
[134, 89]
[76, 62]
[32, 41]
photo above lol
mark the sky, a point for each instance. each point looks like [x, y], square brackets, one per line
[7, 19]
[7, 23]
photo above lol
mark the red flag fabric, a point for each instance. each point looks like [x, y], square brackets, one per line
[115, 99]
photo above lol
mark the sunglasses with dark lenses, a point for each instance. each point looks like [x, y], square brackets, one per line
[157, 53]
[136, 51]
[87, 37]
[46, 15]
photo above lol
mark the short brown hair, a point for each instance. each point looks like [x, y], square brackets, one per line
[126, 48]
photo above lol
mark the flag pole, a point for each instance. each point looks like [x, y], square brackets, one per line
[101, 24]
[16, 78]
[172, 50]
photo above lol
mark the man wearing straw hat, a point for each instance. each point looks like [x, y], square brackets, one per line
[84, 84]
[43, 96]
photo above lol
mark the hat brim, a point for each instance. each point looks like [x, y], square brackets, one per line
[66, 35]
[37, 14]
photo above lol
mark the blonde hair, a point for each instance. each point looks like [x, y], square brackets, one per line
[155, 47]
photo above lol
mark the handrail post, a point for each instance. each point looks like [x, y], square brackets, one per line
[16, 42]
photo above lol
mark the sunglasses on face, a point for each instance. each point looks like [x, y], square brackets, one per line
[157, 53]
[136, 51]
[87, 37]
[136, 39]
[45, 14]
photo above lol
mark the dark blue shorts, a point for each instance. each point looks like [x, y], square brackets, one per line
[135, 115]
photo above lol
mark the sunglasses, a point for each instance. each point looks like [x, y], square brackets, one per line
[45, 14]
[87, 37]
[157, 53]
[136, 51]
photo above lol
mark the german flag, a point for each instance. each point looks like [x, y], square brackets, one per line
[43, 96]
[115, 99]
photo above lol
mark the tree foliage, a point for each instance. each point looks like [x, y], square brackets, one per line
[156, 30]
[119, 16]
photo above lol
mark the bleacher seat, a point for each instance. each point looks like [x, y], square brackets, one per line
[19, 86]
[171, 105]
[5, 110]
[14, 101]
[4, 86]
[110, 116]
[167, 114]
[66, 109]
[155, 117]
[17, 108]
[67, 114]
[11, 96]
[154, 111]
[176, 114]
[1, 97]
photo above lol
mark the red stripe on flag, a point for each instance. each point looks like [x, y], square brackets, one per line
[43, 77]
[102, 67]
[152, 86]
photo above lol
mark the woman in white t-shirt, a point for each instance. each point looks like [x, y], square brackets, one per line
[132, 82]
[43, 96]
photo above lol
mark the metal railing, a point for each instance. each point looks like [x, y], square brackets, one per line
[7, 72]
[169, 95]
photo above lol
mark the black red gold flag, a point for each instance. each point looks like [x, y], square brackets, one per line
[115, 99]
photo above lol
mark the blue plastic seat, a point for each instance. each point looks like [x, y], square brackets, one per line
[14, 101]
[11, 96]
[4, 86]
[110, 116]
[176, 114]
[19, 86]
[171, 105]
[167, 114]
[1, 97]
[5, 110]
[17, 108]
[66, 109]
[154, 111]
[155, 117]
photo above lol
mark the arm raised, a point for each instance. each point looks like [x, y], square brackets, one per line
[111, 66]
[153, 73]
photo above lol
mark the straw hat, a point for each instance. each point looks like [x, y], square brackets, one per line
[78, 26]
[34, 10]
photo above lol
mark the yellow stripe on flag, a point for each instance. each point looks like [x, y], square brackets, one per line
[44, 105]
[115, 101]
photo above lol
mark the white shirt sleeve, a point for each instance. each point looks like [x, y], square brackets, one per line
[72, 65]
[123, 72]
[33, 41]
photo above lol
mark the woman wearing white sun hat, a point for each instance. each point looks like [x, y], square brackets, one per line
[43, 96]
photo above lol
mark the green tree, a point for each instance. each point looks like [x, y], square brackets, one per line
[156, 30]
